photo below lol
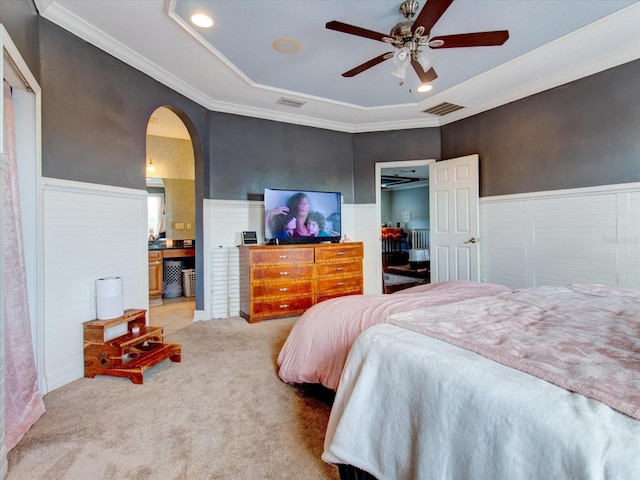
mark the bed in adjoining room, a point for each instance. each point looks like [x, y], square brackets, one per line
[317, 346]
[537, 383]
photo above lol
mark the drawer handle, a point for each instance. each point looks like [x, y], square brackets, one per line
[341, 253]
[284, 305]
[340, 284]
[340, 269]
[284, 273]
[284, 289]
[283, 256]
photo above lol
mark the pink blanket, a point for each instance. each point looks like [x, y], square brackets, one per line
[584, 338]
[317, 347]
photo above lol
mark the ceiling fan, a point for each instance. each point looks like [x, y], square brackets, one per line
[409, 36]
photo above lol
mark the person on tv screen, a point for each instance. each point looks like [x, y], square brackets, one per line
[333, 224]
[300, 206]
[297, 206]
[286, 227]
[315, 225]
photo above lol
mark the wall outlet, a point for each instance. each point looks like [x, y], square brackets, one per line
[189, 226]
[179, 226]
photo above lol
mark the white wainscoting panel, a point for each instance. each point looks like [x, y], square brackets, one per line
[633, 239]
[90, 231]
[585, 235]
[362, 225]
[504, 234]
[223, 224]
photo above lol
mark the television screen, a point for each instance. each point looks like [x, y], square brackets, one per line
[301, 216]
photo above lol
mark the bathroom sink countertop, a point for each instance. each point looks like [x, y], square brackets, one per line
[177, 245]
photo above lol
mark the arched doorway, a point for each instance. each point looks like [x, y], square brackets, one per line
[170, 172]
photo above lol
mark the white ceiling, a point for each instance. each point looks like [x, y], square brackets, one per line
[233, 67]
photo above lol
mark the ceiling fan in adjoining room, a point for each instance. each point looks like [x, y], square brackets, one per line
[410, 36]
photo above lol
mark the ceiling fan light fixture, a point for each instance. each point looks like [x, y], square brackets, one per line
[424, 60]
[400, 71]
[424, 88]
[402, 57]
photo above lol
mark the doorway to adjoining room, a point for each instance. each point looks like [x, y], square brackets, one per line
[171, 226]
[403, 193]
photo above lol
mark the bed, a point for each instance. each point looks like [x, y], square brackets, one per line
[465, 391]
[316, 349]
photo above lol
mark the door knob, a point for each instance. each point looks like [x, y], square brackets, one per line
[472, 240]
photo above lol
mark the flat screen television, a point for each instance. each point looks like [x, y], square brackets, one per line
[301, 216]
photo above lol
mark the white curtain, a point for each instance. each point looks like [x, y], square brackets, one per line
[155, 206]
[23, 402]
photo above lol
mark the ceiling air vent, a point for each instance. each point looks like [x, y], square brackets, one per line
[443, 109]
[289, 102]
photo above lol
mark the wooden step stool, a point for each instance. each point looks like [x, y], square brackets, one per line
[128, 355]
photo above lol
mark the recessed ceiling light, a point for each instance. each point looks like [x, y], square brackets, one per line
[287, 46]
[202, 20]
[425, 87]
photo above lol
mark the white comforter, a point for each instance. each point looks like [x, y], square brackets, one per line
[411, 407]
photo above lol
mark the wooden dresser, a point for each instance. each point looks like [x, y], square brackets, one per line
[285, 280]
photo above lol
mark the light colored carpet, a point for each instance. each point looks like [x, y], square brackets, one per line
[222, 413]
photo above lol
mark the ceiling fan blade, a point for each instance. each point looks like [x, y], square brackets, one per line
[353, 30]
[430, 14]
[425, 77]
[480, 39]
[367, 65]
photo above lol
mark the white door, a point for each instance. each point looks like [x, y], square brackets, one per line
[454, 207]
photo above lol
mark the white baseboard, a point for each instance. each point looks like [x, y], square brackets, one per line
[199, 315]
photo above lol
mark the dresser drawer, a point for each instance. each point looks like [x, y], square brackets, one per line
[336, 283]
[279, 255]
[339, 268]
[280, 289]
[337, 252]
[282, 272]
[281, 307]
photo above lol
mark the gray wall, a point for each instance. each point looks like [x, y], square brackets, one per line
[20, 19]
[585, 133]
[250, 154]
[95, 112]
[370, 148]
[414, 200]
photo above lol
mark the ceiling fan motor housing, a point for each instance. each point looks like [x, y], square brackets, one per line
[401, 32]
